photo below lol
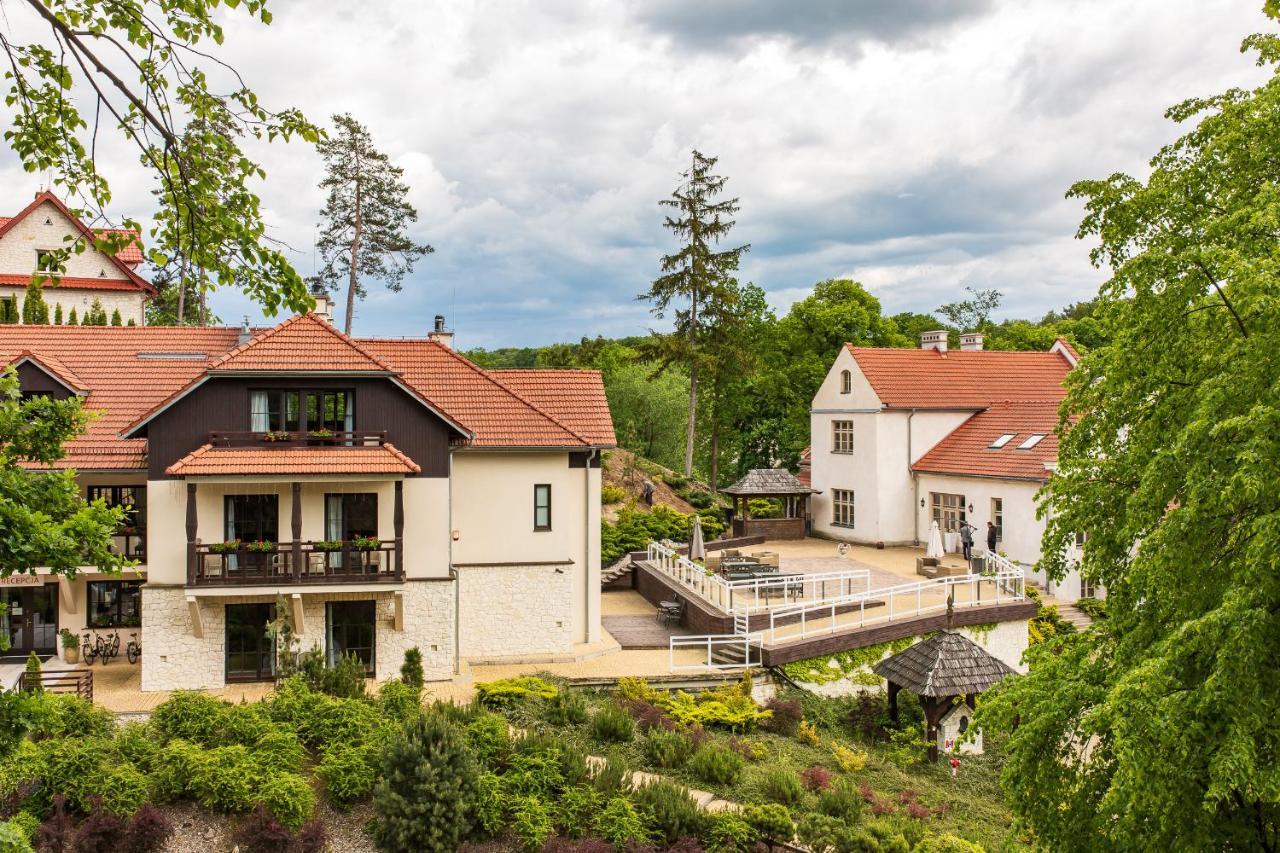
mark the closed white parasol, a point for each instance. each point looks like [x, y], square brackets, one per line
[935, 542]
[697, 551]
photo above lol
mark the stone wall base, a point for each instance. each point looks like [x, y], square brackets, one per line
[512, 611]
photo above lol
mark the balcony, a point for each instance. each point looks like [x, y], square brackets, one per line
[272, 563]
[298, 438]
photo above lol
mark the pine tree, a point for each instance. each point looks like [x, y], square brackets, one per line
[365, 215]
[57, 314]
[426, 797]
[35, 311]
[115, 318]
[96, 315]
[72, 319]
[697, 277]
[33, 684]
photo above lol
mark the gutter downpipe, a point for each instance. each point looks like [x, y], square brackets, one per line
[592, 455]
[915, 485]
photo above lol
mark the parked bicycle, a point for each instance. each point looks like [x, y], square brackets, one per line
[103, 649]
[133, 651]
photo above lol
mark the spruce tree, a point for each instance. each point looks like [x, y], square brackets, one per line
[35, 311]
[426, 797]
[72, 319]
[115, 318]
[96, 315]
[365, 215]
[57, 314]
[698, 279]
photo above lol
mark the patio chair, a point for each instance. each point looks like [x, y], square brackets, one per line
[768, 558]
[671, 612]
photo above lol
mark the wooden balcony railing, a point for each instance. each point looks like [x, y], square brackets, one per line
[298, 438]
[76, 681]
[294, 563]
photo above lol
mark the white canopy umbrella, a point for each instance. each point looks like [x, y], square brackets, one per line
[935, 542]
[697, 551]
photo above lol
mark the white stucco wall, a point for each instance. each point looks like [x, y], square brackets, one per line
[130, 304]
[1022, 530]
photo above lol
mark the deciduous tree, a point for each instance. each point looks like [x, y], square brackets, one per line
[365, 215]
[1158, 729]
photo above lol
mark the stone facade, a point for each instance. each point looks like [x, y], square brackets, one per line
[130, 304]
[516, 611]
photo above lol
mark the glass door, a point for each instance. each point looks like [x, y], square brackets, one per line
[250, 654]
[349, 516]
[351, 629]
[31, 620]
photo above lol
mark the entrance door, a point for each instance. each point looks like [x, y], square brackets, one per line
[31, 623]
[250, 655]
[352, 629]
[348, 516]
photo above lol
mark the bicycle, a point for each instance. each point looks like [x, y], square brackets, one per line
[89, 651]
[110, 648]
[100, 649]
[133, 651]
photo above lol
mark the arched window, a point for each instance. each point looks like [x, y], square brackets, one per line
[846, 382]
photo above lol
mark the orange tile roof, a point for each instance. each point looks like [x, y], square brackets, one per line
[22, 280]
[574, 397]
[52, 366]
[304, 342]
[920, 378]
[121, 384]
[967, 450]
[208, 460]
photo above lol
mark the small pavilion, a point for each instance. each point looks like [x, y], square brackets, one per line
[945, 667]
[776, 483]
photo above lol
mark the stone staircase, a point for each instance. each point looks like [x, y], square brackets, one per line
[609, 574]
[1074, 615]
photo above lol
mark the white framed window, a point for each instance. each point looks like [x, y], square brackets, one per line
[1031, 441]
[842, 508]
[1081, 537]
[1088, 589]
[948, 510]
[997, 517]
[846, 382]
[1002, 440]
[842, 436]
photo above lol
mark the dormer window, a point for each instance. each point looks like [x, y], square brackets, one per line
[294, 411]
[275, 411]
[1031, 441]
[1002, 440]
[846, 382]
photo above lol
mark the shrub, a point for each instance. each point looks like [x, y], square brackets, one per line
[534, 773]
[175, 769]
[633, 688]
[57, 832]
[668, 810]
[842, 801]
[816, 778]
[51, 715]
[124, 789]
[289, 797]
[262, 832]
[490, 738]
[348, 772]
[32, 674]
[620, 824]
[100, 832]
[729, 832]
[190, 715]
[399, 700]
[848, 760]
[648, 716]
[279, 751]
[667, 749]
[345, 679]
[426, 795]
[411, 670]
[771, 821]
[576, 810]
[78, 767]
[573, 764]
[613, 778]
[1094, 608]
[148, 830]
[531, 823]
[490, 802]
[822, 832]
[344, 721]
[612, 725]
[946, 843]
[13, 838]
[610, 494]
[752, 750]
[787, 714]
[730, 706]
[513, 691]
[567, 708]
[716, 765]
[244, 724]
[807, 734]
[138, 743]
[780, 786]
[225, 779]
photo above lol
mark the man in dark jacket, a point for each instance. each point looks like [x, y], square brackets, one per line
[991, 536]
[966, 539]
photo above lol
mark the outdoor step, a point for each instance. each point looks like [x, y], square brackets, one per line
[1075, 616]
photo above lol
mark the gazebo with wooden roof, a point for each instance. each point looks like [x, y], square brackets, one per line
[939, 670]
[766, 483]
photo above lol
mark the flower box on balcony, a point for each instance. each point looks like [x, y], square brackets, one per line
[262, 546]
[329, 545]
[365, 543]
[231, 546]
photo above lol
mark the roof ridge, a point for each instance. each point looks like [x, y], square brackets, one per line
[267, 334]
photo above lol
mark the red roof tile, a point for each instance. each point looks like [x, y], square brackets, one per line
[52, 366]
[207, 460]
[305, 343]
[22, 280]
[924, 379]
[967, 449]
[574, 397]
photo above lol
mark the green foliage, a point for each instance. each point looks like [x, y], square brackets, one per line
[729, 832]
[614, 777]
[620, 824]
[843, 801]
[225, 778]
[771, 821]
[611, 724]
[490, 804]
[279, 751]
[116, 319]
[96, 315]
[668, 810]
[346, 678]
[490, 738]
[289, 797]
[411, 670]
[716, 765]
[576, 810]
[57, 314]
[946, 843]
[824, 834]
[610, 494]
[190, 715]
[531, 823]
[35, 311]
[1094, 608]
[426, 796]
[666, 748]
[635, 529]
[32, 675]
[508, 691]
[567, 708]
[729, 706]
[348, 772]
[781, 786]
[14, 838]
[399, 700]
[907, 746]
[854, 664]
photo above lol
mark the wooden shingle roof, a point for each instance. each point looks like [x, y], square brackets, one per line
[768, 482]
[946, 664]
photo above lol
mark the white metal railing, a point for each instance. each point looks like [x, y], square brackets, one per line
[719, 651]
[894, 603]
[760, 593]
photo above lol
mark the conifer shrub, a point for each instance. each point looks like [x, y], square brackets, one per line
[289, 797]
[279, 751]
[771, 821]
[576, 810]
[225, 778]
[531, 823]
[192, 716]
[123, 789]
[348, 772]
[490, 805]
[667, 749]
[490, 738]
[613, 778]
[782, 786]
[716, 765]
[139, 744]
[668, 810]
[244, 723]
[566, 708]
[729, 832]
[512, 691]
[411, 670]
[31, 678]
[175, 769]
[399, 700]
[612, 725]
[842, 801]
[621, 825]
[427, 793]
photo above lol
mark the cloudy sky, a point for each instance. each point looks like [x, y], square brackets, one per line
[916, 146]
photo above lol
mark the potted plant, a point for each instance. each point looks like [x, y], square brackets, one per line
[323, 435]
[228, 547]
[70, 645]
[328, 545]
[261, 546]
[366, 543]
[277, 435]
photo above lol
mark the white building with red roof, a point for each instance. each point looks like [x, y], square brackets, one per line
[47, 225]
[392, 493]
[904, 437]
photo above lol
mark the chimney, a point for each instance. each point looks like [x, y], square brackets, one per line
[971, 342]
[440, 334]
[324, 304]
[934, 340]
[245, 334]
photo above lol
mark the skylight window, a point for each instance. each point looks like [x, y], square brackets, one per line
[1002, 440]
[173, 356]
[1032, 441]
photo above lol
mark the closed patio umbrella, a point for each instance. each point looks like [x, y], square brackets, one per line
[697, 551]
[935, 542]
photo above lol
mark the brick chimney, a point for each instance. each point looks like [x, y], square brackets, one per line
[440, 334]
[934, 340]
[971, 342]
